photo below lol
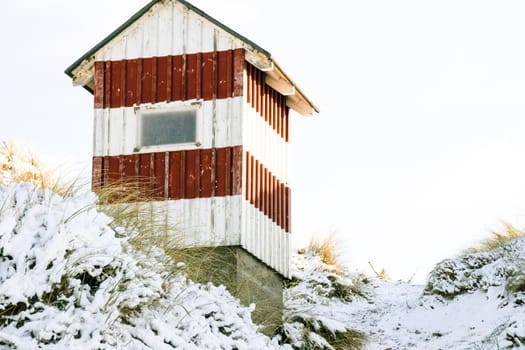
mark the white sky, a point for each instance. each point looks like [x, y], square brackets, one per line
[419, 148]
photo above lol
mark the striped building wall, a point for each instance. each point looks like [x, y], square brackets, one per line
[230, 187]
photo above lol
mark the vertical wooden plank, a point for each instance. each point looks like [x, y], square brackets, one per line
[177, 90]
[287, 123]
[220, 172]
[228, 170]
[260, 188]
[265, 103]
[131, 82]
[275, 200]
[130, 171]
[154, 79]
[138, 97]
[198, 75]
[207, 75]
[107, 85]
[252, 180]
[191, 175]
[105, 170]
[96, 173]
[160, 175]
[225, 74]
[144, 174]
[116, 81]
[114, 168]
[274, 110]
[247, 175]
[177, 175]
[270, 195]
[288, 210]
[239, 66]
[279, 115]
[147, 80]
[257, 92]
[237, 170]
[264, 186]
[169, 80]
[99, 84]
[255, 183]
[206, 172]
[162, 79]
[280, 204]
[248, 86]
[253, 84]
[191, 76]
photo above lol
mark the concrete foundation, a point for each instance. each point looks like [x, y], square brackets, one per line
[245, 277]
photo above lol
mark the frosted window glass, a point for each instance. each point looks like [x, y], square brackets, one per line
[167, 128]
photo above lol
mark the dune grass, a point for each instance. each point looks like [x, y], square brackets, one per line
[325, 247]
[496, 240]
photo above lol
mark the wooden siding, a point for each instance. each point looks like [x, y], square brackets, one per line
[265, 239]
[206, 76]
[266, 193]
[188, 174]
[267, 102]
[168, 29]
[219, 124]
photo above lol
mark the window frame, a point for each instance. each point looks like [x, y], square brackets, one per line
[143, 111]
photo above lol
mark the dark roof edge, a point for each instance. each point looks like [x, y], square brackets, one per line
[69, 70]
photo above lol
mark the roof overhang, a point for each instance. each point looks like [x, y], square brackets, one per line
[276, 78]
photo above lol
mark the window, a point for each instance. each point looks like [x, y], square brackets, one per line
[168, 127]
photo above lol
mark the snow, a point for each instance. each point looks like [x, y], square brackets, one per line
[398, 315]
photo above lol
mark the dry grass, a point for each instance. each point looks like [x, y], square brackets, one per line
[20, 165]
[381, 274]
[136, 213]
[496, 240]
[326, 248]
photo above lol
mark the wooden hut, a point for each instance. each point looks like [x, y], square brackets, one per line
[201, 113]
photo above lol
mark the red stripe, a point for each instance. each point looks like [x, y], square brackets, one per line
[162, 79]
[191, 173]
[159, 175]
[169, 78]
[99, 84]
[266, 193]
[266, 101]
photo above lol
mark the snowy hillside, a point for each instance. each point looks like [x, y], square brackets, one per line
[473, 302]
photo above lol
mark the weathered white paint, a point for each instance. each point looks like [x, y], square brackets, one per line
[168, 28]
[117, 130]
[200, 222]
[264, 239]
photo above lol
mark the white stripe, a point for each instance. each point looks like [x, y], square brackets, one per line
[168, 29]
[117, 131]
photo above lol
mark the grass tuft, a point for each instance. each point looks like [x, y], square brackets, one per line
[496, 240]
[20, 165]
[326, 249]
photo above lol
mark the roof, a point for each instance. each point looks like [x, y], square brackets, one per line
[259, 57]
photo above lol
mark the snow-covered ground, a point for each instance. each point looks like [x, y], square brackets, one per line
[468, 304]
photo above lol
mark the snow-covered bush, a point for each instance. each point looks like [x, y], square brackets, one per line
[502, 266]
[314, 292]
[67, 282]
